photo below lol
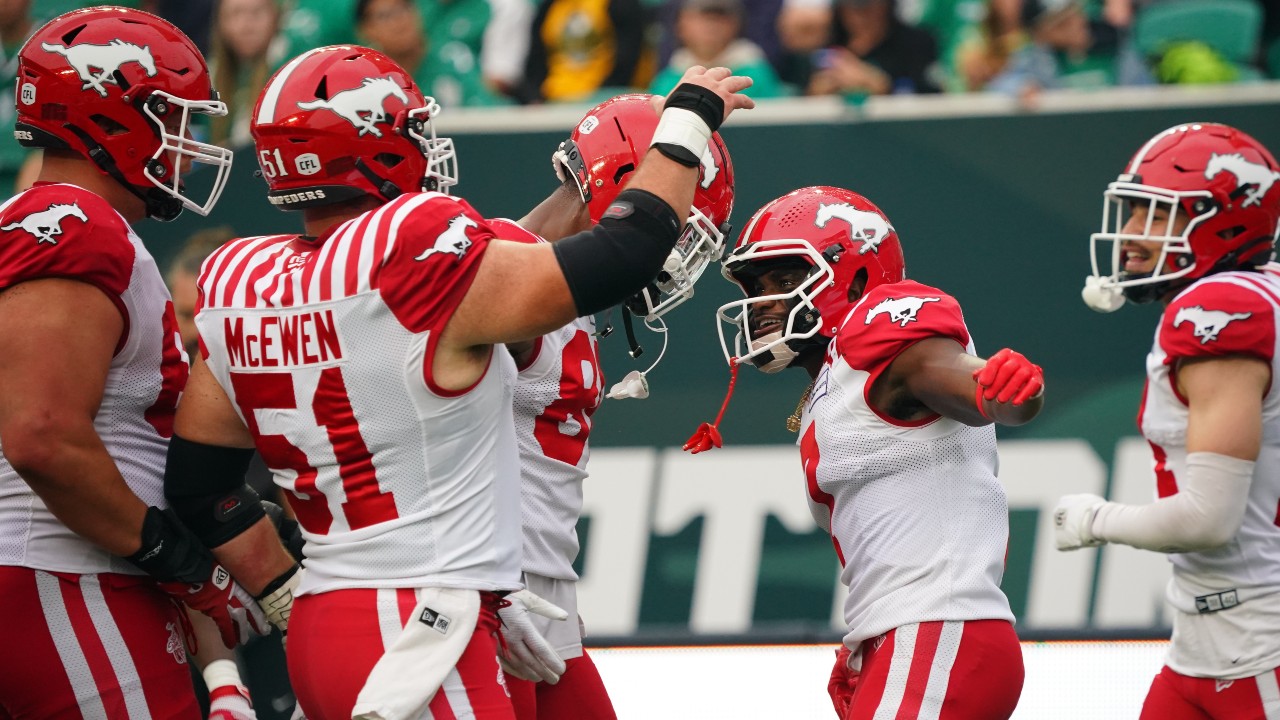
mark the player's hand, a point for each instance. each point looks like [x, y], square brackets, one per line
[230, 606]
[528, 655]
[722, 82]
[230, 702]
[1009, 377]
[276, 599]
[843, 682]
[1073, 521]
[186, 570]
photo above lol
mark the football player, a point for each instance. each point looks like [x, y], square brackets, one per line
[1191, 223]
[359, 358]
[897, 448]
[90, 372]
[559, 385]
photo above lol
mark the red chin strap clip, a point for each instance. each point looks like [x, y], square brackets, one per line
[707, 435]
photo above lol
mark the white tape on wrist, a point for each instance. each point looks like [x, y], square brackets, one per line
[683, 128]
[221, 673]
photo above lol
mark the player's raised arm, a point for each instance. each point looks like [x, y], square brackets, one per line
[522, 291]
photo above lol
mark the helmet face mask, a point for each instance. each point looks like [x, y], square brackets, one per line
[772, 351]
[1211, 196]
[441, 172]
[121, 87]
[179, 151]
[839, 237]
[599, 157]
[1164, 213]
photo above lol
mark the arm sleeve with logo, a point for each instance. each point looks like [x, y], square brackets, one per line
[62, 231]
[894, 317]
[438, 245]
[1229, 316]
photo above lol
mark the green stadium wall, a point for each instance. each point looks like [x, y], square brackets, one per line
[995, 210]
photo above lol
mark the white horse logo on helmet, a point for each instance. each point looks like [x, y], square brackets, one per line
[453, 240]
[866, 227]
[1207, 323]
[106, 59]
[46, 225]
[362, 106]
[709, 169]
[1255, 174]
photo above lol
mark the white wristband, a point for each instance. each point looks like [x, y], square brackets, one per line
[682, 128]
[221, 673]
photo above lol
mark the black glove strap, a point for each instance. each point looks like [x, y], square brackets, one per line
[170, 552]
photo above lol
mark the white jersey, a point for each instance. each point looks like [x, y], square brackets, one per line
[1227, 597]
[66, 231]
[557, 391]
[915, 512]
[326, 349]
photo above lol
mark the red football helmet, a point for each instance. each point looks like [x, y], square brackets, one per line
[120, 86]
[600, 155]
[835, 235]
[1223, 183]
[344, 121]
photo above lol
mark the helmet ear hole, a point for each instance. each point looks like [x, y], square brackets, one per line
[389, 160]
[858, 285]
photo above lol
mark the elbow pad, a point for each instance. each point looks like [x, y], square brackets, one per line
[621, 255]
[206, 489]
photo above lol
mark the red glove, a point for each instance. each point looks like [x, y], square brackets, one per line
[187, 572]
[1009, 376]
[231, 607]
[843, 683]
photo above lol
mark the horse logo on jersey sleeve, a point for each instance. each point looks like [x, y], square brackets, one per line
[453, 240]
[1207, 323]
[46, 225]
[900, 310]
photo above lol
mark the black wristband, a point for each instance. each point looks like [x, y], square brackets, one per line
[678, 153]
[170, 552]
[702, 101]
[275, 585]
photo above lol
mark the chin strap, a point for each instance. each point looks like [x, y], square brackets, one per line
[707, 435]
[163, 209]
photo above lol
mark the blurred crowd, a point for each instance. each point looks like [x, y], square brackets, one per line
[486, 53]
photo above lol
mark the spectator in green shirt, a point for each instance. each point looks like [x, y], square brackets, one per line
[709, 32]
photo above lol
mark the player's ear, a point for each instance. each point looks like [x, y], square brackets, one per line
[858, 285]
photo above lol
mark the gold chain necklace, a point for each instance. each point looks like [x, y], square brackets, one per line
[793, 421]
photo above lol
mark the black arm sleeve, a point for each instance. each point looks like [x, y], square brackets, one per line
[620, 256]
[206, 489]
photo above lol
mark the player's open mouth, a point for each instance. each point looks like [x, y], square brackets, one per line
[765, 325]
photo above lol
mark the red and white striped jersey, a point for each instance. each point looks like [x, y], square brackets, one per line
[65, 231]
[915, 512]
[1230, 313]
[325, 347]
[556, 393]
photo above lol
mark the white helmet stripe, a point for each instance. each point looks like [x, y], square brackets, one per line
[270, 96]
[1142, 154]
